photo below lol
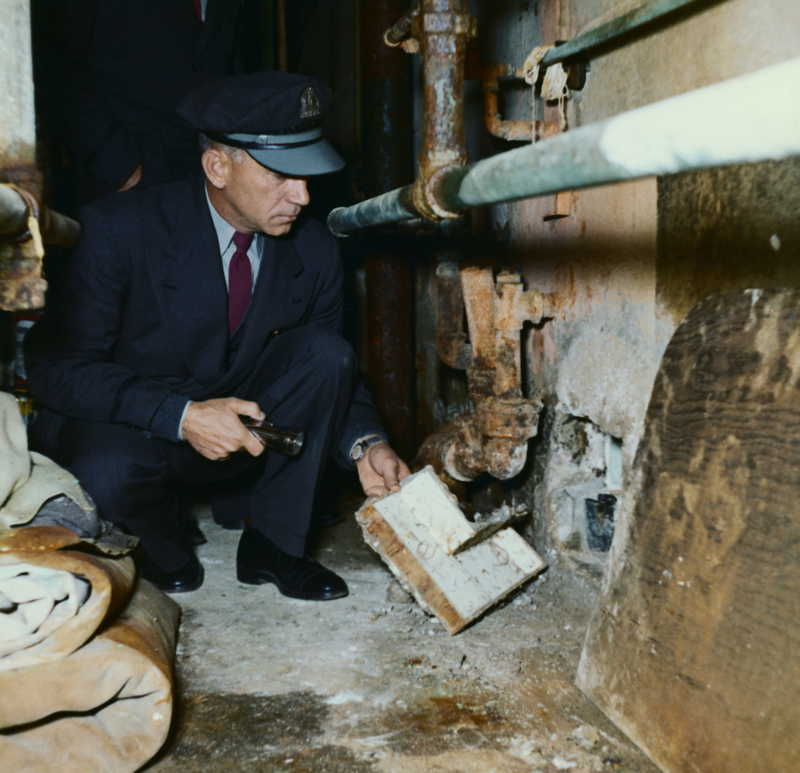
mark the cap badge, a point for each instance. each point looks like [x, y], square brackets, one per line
[309, 104]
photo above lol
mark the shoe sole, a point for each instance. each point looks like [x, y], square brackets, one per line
[260, 577]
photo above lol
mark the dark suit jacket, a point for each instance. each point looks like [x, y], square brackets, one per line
[125, 66]
[141, 324]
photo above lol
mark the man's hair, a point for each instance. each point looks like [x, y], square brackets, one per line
[206, 143]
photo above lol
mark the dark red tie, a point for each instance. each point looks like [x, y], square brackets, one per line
[198, 9]
[240, 281]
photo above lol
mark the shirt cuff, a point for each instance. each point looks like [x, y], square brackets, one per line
[166, 424]
[183, 416]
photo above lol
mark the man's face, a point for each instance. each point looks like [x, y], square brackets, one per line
[255, 199]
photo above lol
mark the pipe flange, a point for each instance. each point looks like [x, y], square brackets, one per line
[425, 196]
[448, 23]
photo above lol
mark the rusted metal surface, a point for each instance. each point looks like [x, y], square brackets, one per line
[22, 286]
[512, 308]
[495, 125]
[56, 229]
[443, 28]
[24, 229]
[477, 284]
[387, 130]
[451, 339]
[651, 140]
[400, 33]
[21, 283]
[493, 438]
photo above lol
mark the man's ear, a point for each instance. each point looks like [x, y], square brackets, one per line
[215, 165]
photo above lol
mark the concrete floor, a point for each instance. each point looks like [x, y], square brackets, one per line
[372, 684]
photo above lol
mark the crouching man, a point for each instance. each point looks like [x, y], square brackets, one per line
[191, 304]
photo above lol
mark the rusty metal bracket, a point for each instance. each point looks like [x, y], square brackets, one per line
[22, 286]
[493, 438]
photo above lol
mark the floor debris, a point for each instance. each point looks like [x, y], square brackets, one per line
[273, 684]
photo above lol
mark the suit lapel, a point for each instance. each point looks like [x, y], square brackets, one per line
[190, 284]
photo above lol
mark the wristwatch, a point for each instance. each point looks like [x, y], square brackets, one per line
[359, 449]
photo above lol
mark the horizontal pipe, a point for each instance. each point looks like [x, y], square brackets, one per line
[402, 29]
[696, 130]
[13, 212]
[389, 207]
[57, 229]
[616, 28]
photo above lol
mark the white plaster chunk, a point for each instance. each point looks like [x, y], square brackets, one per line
[426, 519]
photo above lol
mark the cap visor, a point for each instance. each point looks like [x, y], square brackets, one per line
[319, 158]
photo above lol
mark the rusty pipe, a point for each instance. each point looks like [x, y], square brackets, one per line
[651, 140]
[401, 30]
[508, 130]
[387, 131]
[451, 340]
[15, 208]
[493, 438]
[442, 28]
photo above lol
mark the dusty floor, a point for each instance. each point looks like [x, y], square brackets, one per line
[372, 684]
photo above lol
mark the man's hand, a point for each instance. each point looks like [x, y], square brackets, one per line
[380, 470]
[213, 428]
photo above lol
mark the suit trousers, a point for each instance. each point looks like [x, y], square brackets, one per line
[304, 380]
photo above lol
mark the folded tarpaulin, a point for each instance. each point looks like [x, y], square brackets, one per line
[54, 593]
[104, 708]
[86, 655]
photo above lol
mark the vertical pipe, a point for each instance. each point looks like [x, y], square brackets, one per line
[390, 275]
[17, 121]
[283, 63]
[444, 50]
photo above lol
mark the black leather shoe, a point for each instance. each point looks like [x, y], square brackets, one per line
[188, 577]
[258, 561]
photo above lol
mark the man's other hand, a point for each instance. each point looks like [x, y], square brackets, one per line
[213, 428]
[380, 470]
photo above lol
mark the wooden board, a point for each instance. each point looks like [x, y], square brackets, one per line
[416, 530]
[694, 648]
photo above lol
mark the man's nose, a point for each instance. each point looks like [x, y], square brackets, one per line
[298, 193]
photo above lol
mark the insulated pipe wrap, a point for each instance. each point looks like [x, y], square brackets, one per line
[697, 130]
